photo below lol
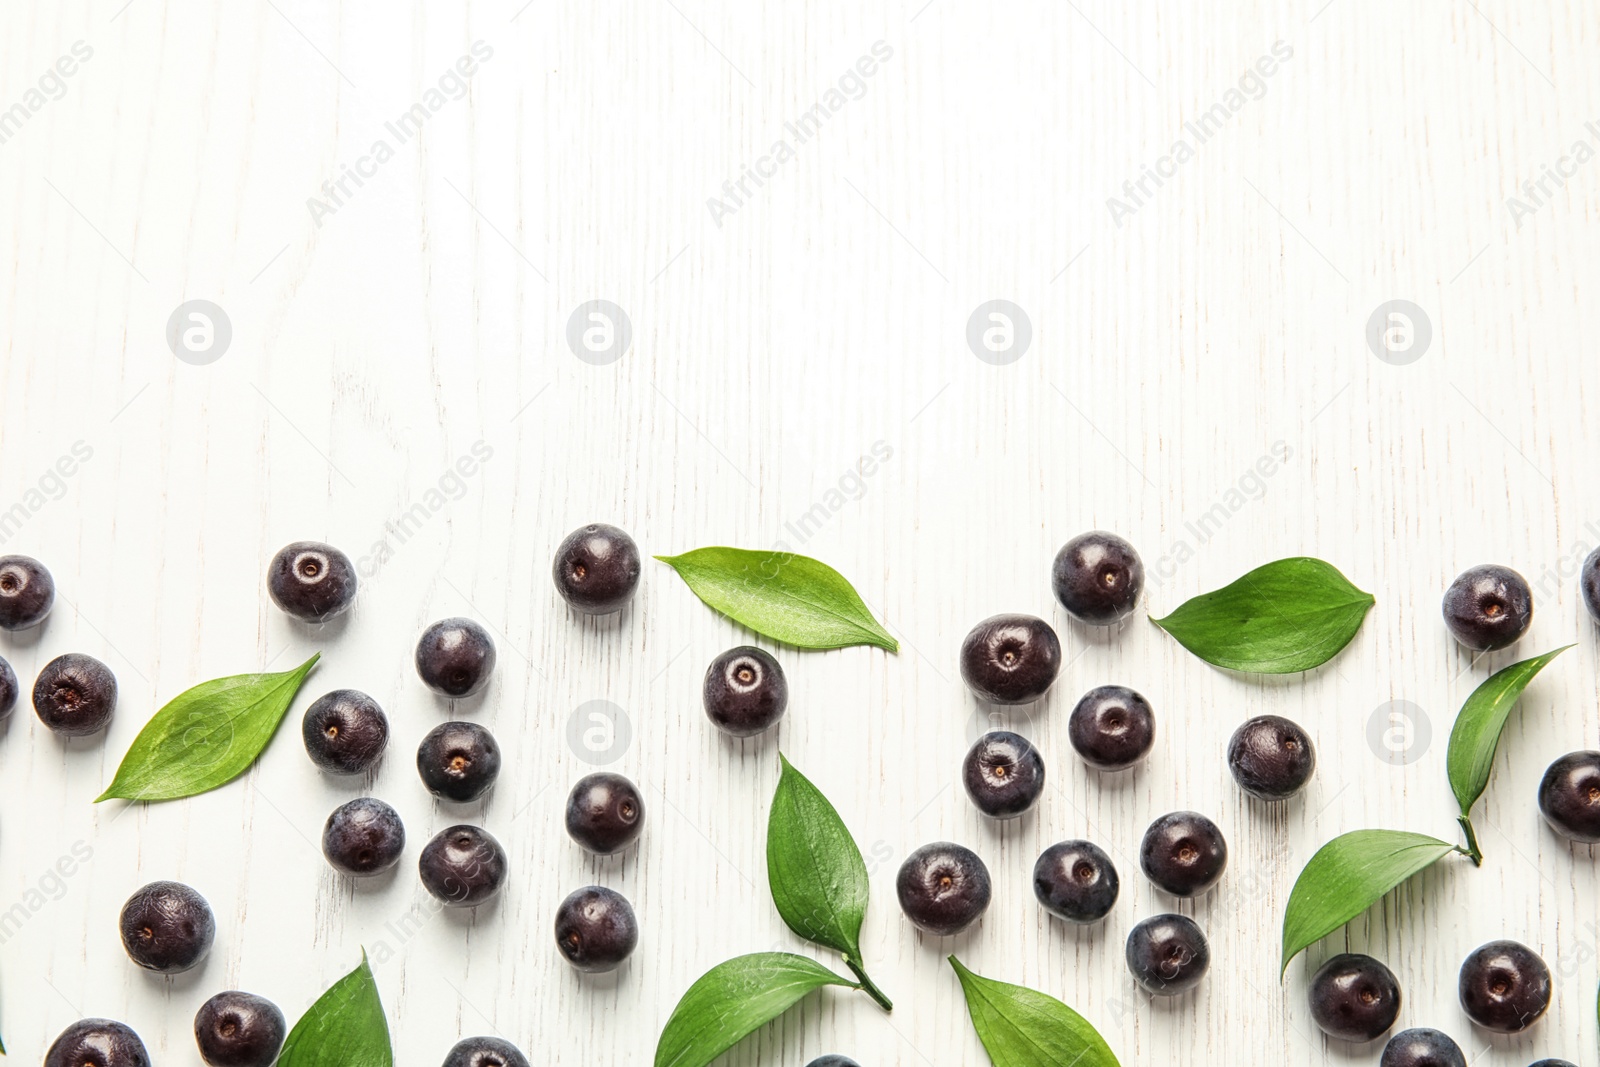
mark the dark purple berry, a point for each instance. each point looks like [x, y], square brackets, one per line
[1098, 577]
[1422, 1047]
[595, 929]
[1010, 659]
[1183, 853]
[1569, 796]
[1554, 1063]
[1004, 774]
[236, 1029]
[1488, 607]
[1168, 954]
[1354, 998]
[745, 691]
[1589, 584]
[1504, 986]
[75, 695]
[1112, 728]
[605, 813]
[8, 688]
[97, 1043]
[345, 731]
[463, 866]
[485, 1052]
[833, 1059]
[597, 569]
[1076, 881]
[455, 657]
[458, 761]
[943, 888]
[1271, 758]
[167, 927]
[27, 592]
[312, 581]
[363, 837]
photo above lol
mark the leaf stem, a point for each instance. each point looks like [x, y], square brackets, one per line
[867, 985]
[1472, 851]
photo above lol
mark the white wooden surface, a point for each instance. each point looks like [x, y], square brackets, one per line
[768, 354]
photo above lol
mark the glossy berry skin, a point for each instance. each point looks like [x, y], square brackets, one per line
[1504, 986]
[596, 569]
[1554, 1063]
[745, 691]
[1168, 954]
[1098, 577]
[1112, 728]
[75, 695]
[1422, 1047]
[463, 866]
[1488, 607]
[27, 592]
[1271, 758]
[1076, 881]
[311, 581]
[458, 761]
[167, 927]
[943, 888]
[485, 1052]
[363, 837]
[97, 1043]
[1589, 585]
[345, 732]
[1354, 998]
[596, 929]
[1569, 796]
[1010, 659]
[833, 1059]
[1183, 853]
[8, 688]
[1004, 774]
[455, 657]
[236, 1029]
[605, 813]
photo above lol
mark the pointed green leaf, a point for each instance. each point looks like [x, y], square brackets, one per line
[732, 1000]
[1347, 876]
[794, 599]
[1287, 616]
[344, 1028]
[206, 737]
[1481, 721]
[1020, 1027]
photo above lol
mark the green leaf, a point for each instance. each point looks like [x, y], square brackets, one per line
[817, 875]
[1287, 616]
[1347, 876]
[344, 1028]
[206, 737]
[732, 1000]
[1023, 1028]
[794, 599]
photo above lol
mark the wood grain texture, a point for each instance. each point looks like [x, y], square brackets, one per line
[770, 352]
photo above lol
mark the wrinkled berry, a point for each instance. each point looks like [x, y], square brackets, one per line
[1004, 774]
[485, 1052]
[596, 929]
[1422, 1047]
[458, 761]
[27, 592]
[8, 688]
[1271, 758]
[1076, 881]
[75, 695]
[943, 888]
[312, 581]
[345, 731]
[97, 1043]
[1112, 728]
[1354, 998]
[745, 691]
[597, 569]
[1010, 659]
[363, 837]
[1183, 853]
[1504, 986]
[1098, 576]
[462, 866]
[1488, 607]
[455, 657]
[236, 1029]
[605, 813]
[1569, 796]
[167, 927]
[1168, 954]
